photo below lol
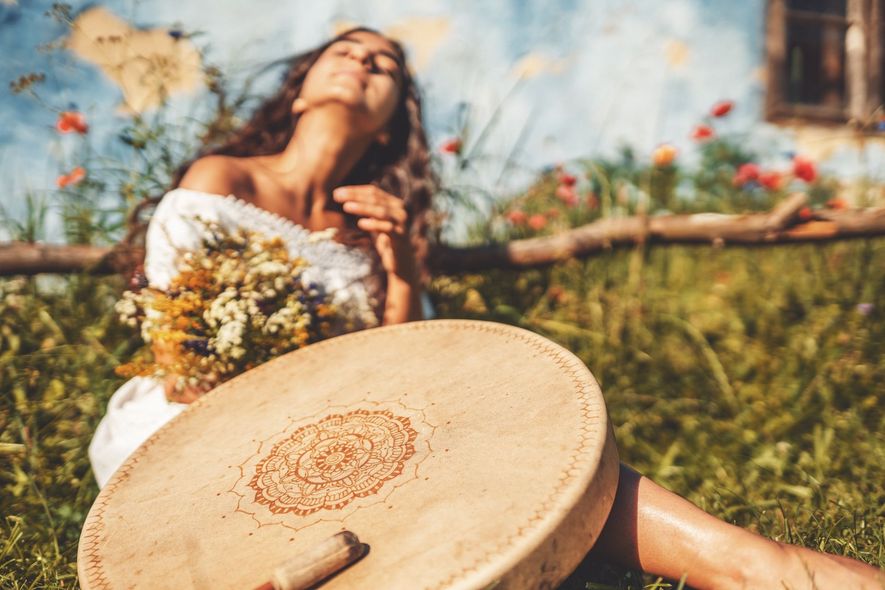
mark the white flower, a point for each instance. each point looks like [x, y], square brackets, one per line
[224, 308]
[149, 324]
[229, 337]
[270, 267]
[126, 307]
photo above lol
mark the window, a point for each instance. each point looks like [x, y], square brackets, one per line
[825, 60]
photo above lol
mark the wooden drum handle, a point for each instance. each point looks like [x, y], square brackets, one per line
[318, 563]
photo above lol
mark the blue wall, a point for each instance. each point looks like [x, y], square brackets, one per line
[572, 78]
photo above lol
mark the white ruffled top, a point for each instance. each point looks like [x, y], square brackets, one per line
[139, 407]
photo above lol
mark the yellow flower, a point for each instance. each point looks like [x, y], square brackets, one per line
[664, 155]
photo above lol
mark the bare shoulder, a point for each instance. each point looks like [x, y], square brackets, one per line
[221, 175]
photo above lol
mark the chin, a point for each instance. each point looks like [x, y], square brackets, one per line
[343, 95]
[351, 108]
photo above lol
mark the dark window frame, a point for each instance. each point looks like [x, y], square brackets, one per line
[863, 65]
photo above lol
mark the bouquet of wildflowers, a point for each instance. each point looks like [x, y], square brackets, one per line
[237, 302]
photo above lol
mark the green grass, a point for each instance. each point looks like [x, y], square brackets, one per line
[745, 380]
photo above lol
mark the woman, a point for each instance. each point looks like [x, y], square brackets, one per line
[347, 115]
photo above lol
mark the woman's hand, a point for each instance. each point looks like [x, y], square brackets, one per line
[163, 354]
[189, 394]
[385, 217]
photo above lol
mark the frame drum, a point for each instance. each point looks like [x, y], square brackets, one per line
[466, 454]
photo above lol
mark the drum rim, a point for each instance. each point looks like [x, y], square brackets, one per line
[565, 496]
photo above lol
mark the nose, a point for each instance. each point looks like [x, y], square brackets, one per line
[361, 54]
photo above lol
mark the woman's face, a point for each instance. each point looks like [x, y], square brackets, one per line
[361, 71]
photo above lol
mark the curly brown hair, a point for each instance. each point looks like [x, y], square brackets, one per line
[402, 167]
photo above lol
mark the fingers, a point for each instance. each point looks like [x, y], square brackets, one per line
[378, 211]
[362, 192]
[378, 225]
[397, 215]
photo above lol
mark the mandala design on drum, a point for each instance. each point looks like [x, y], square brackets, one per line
[328, 464]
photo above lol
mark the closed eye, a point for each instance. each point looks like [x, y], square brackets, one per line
[379, 62]
[387, 65]
[390, 71]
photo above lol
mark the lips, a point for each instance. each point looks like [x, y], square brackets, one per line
[357, 75]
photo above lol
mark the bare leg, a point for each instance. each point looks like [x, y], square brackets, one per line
[660, 532]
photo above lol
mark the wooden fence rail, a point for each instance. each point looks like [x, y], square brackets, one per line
[785, 224]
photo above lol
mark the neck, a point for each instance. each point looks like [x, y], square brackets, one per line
[323, 150]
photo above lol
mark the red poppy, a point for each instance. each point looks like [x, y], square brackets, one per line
[567, 195]
[722, 108]
[69, 121]
[804, 169]
[837, 203]
[702, 133]
[746, 173]
[772, 180]
[537, 221]
[516, 217]
[664, 155]
[77, 174]
[805, 213]
[451, 146]
[567, 179]
[73, 177]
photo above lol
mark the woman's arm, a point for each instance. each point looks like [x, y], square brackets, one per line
[403, 299]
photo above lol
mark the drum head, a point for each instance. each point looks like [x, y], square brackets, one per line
[464, 453]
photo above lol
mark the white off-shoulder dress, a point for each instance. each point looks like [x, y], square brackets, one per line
[139, 407]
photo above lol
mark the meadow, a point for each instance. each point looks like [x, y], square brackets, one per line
[749, 381]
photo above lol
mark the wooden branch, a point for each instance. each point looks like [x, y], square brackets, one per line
[782, 225]
[22, 258]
